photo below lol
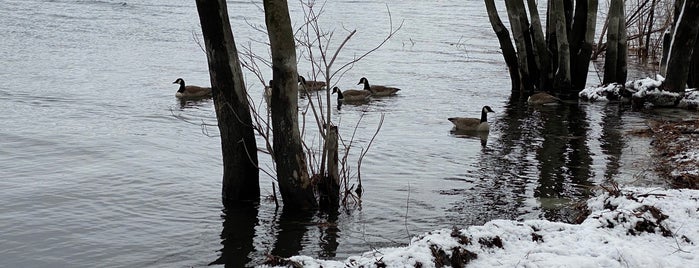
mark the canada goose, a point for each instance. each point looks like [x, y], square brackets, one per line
[191, 91]
[473, 124]
[377, 90]
[311, 85]
[542, 98]
[351, 95]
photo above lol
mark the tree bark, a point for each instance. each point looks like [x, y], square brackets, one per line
[508, 50]
[292, 174]
[682, 46]
[238, 146]
[561, 81]
[515, 12]
[622, 48]
[582, 52]
[543, 59]
[612, 54]
[693, 77]
[329, 187]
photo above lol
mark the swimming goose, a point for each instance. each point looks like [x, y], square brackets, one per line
[351, 95]
[473, 124]
[311, 85]
[377, 90]
[542, 98]
[191, 91]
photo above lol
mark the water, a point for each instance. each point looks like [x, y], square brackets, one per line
[102, 167]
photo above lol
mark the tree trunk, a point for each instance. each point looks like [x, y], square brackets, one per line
[329, 187]
[292, 174]
[515, 12]
[682, 45]
[238, 146]
[693, 78]
[561, 81]
[543, 59]
[622, 48]
[581, 50]
[508, 50]
[582, 53]
[612, 54]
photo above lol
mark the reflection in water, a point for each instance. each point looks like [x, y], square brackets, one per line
[329, 233]
[542, 153]
[237, 236]
[193, 103]
[293, 226]
[612, 141]
[564, 157]
[471, 134]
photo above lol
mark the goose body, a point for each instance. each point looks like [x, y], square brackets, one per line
[473, 124]
[377, 90]
[351, 95]
[543, 98]
[191, 91]
[310, 85]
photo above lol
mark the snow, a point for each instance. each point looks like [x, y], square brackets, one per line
[601, 93]
[639, 89]
[630, 227]
[690, 100]
[646, 84]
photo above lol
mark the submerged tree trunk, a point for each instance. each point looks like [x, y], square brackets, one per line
[238, 146]
[292, 174]
[682, 45]
[508, 50]
[329, 186]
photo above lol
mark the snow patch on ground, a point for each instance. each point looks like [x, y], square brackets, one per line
[690, 100]
[601, 93]
[632, 227]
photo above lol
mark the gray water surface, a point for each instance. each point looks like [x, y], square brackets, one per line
[97, 168]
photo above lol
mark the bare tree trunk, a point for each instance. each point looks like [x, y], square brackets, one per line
[668, 36]
[612, 54]
[581, 49]
[543, 59]
[517, 15]
[238, 146]
[693, 78]
[508, 50]
[292, 174]
[683, 42]
[561, 81]
[329, 187]
[622, 47]
[649, 31]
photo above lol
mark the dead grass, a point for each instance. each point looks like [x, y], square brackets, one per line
[671, 141]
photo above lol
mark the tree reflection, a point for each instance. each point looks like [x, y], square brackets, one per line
[237, 235]
[293, 226]
[542, 154]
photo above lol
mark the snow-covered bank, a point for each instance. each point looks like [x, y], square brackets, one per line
[644, 90]
[634, 227]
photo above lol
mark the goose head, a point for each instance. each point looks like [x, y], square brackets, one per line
[364, 81]
[484, 113]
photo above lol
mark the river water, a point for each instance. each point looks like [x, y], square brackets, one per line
[100, 165]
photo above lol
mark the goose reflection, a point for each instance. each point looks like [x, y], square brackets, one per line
[471, 134]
